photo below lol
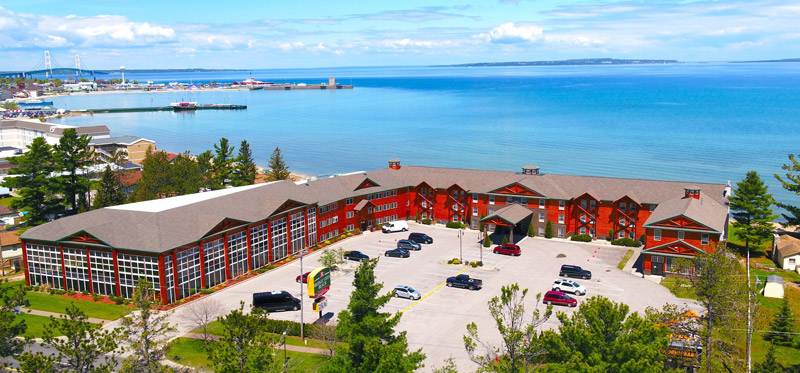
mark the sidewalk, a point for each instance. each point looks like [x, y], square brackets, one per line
[58, 315]
[303, 349]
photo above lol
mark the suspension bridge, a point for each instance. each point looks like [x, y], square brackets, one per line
[50, 68]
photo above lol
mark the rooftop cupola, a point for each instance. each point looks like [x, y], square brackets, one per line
[691, 192]
[530, 170]
[394, 164]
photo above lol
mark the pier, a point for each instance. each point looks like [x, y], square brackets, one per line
[164, 108]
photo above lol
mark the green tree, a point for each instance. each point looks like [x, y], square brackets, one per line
[34, 183]
[331, 258]
[145, 332]
[372, 345]
[531, 231]
[10, 105]
[57, 82]
[37, 362]
[82, 345]
[520, 348]
[186, 175]
[448, 367]
[782, 326]
[204, 162]
[222, 162]
[770, 365]
[245, 171]
[602, 336]
[487, 242]
[72, 156]
[156, 181]
[111, 191]
[792, 184]
[245, 346]
[277, 167]
[750, 206]
[505, 240]
[10, 327]
[548, 229]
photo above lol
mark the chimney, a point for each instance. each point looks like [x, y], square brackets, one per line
[394, 164]
[691, 192]
[530, 170]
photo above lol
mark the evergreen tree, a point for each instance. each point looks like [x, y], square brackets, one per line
[34, 183]
[245, 171]
[487, 242]
[245, 345]
[782, 325]
[770, 365]
[156, 177]
[204, 162]
[10, 327]
[186, 174]
[750, 206]
[222, 162]
[145, 332]
[372, 345]
[548, 229]
[72, 156]
[505, 240]
[531, 231]
[111, 191]
[277, 167]
[792, 184]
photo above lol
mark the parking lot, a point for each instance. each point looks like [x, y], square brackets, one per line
[438, 321]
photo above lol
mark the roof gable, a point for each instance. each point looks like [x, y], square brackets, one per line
[290, 204]
[224, 225]
[679, 222]
[517, 189]
[83, 238]
[678, 248]
[367, 183]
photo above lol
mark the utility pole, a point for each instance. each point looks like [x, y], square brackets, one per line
[749, 314]
[460, 251]
[302, 252]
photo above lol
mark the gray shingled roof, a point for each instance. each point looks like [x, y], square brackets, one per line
[788, 245]
[513, 213]
[704, 210]
[45, 127]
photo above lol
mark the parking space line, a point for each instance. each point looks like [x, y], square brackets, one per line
[430, 292]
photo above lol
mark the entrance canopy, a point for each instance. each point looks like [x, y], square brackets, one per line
[508, 216]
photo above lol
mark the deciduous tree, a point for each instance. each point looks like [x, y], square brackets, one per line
[750, 206]
[34, 183]
[10, 328]
[520, 348]
[792, 184]
[201, 313]
[245, 171]
[245, 346]
[277, 167]
[145, 332]
[72, 156]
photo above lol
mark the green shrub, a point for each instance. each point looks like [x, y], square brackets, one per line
[455, 225]
[548, 230]
[610, 234]
[581, 238]
[117, 300]
[450, 261]
[61, 292]
[279, 326]
[630, 242]
[85, 292]
[480, 264]
[643, 238]
[70, 292]
[456, 261]
[473, 264]
[487, 242]
[206, 291]
[97, 297]
[531, 231]
[426, 221]
[505, 240]
[378, 226]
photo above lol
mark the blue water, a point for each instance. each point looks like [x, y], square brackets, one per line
[697, 122]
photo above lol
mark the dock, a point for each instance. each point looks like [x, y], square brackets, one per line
[290, 87]
[164, 108]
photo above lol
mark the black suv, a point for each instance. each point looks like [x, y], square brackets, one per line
[574, 271]
[420, 238]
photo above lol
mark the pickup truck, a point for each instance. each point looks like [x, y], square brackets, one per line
[463, 281]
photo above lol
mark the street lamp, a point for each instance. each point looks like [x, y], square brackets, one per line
[460, 251]
[302, 252]
[285, 360]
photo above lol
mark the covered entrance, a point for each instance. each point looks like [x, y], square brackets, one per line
[363, 212]
[511, 222]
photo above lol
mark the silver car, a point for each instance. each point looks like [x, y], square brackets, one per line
[408, 245]
[403, 291]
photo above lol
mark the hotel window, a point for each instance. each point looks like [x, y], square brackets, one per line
[474, 211]
[474, 224]
[561, 232]
[188, 263]
[561, 205]
[394, 205]
[656, 234]
[214, 252]
[44, 265]
[455, 194]
[312, 227]
[424, 204]
[591, 231]
[592, 204]
[541, 203]
[349, 201]
[491, 200]
[541, 232]
[474, 198]
[350, 227]
[704, 239]
[541, 217]
[370, 210]
[523, 201]
[237, 253]
[621, 234]
[424, 215]
[583, 203]
[259, 245]
[583, 218]
[350, 214]
[657, 259]
[133, 268]
[103, 274]
[583, 230]
[633, 207]
[378, 208]
[298, 231]
[385, 194]
[622, 222]
[463, 194]
[455, 218]
[455, 207]
[424, 192]
[76, 269]
[561, 218]
[622, 206]
[680, 235]
[335, 219]
[278, 231]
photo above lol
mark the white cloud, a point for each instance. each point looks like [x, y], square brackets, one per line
[507, 33]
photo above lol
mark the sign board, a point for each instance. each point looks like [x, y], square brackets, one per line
[319, 304]
[319, 281]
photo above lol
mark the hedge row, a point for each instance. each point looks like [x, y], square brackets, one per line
[630, 242]
[455, 224]
[582, 238]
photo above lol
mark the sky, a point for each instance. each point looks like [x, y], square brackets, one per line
[328, 33]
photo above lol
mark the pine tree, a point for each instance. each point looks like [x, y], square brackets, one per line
[145, 332]
[770, 365]
[222, 162]
[204, 162]
[277, 167]
[487, 242]
[780, 328]
[245, 171]
[531, 231]
[245, 345]
[34, 183]
[372, 345]
[792, 184]
[186, 175]
[750, 206]
[548, 230]
[71, 156]
[156, 180]
[505, 240]
[111, 191]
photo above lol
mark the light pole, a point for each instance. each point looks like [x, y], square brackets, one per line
[480, 247]
[302, 252]
[285, 361]
[460, 251]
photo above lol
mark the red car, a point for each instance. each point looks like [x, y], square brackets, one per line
[557, 297]
[305, 278]
[507, 249]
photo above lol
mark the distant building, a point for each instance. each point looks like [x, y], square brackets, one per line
[774, 287]
[134, 147]
[786, 250]
[8, 216]
[21, 133]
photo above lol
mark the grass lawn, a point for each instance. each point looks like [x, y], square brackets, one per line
[192, 352]
[7, 201]
[767, 309]
[625, 259]
[215, 328]
[57, 303]
[679, 288]
[35, 324]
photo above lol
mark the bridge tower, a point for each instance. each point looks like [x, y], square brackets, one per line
[78, 63]
[48, 65]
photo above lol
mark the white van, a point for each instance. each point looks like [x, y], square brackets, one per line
[395, 226]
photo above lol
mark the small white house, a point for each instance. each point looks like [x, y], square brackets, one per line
[774, 287]
[786, 250]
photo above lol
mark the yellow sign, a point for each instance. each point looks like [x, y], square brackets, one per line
[319, 281]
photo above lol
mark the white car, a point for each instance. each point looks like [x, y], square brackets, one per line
[569, 286]
[403, 291]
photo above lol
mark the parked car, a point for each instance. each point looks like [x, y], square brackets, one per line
[569, 286]
[403, 291]
[557, 297]
[398, 253]
[574, 271]
[507, 249]
[273, 301]
[464, 281]
[408, 245]
[305, 278]
[395, 226]
[356, 255]
[420, 238]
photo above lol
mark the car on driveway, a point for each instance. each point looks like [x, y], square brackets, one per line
[356, 255]
[305, 278]
[420, 238]
[398, 253]
[557, 297]
[408, 245]
[403, 291]
[574, 271]
[569, 286]
[507, 249]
